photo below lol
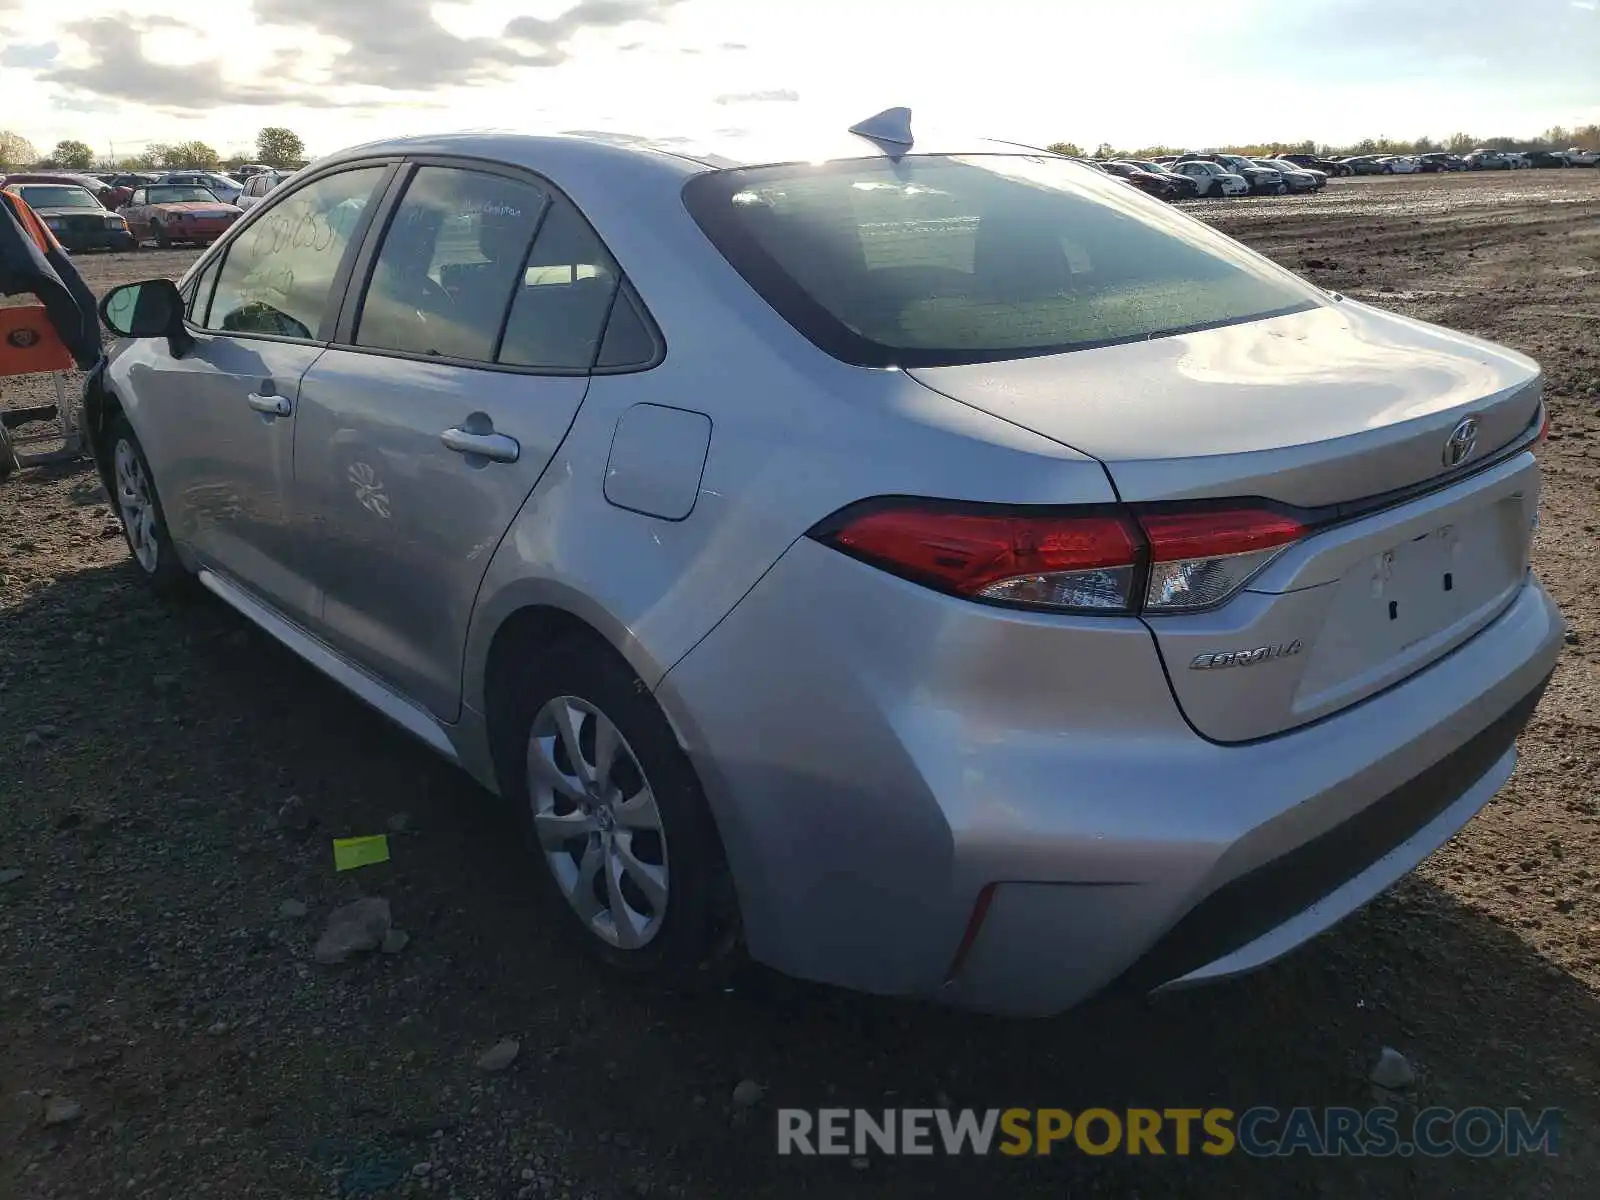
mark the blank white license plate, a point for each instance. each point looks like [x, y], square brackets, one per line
[1422, 586]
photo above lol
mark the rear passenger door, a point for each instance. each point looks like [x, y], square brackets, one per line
[462, 356]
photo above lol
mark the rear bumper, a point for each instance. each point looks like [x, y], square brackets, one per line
[110, 239]
[877, 755]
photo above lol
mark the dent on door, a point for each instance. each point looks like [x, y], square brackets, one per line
[658, 456]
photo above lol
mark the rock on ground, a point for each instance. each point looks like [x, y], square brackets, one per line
[1393, 1071]
[500, 1056]
[62, 1111]
[353, 928]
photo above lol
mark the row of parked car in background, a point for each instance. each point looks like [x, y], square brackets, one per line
[1191, 176]
[1478, 160]
[123, 210]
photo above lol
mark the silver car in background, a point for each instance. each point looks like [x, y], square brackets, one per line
[935, 565]
[258, 185]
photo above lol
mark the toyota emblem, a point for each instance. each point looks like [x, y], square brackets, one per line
[1463, 439]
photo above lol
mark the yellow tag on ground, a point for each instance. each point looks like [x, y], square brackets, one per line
[350, 853]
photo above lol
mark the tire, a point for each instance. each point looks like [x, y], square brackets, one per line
[8, 458]
[162, 240]
[138, 506]
[677, 897]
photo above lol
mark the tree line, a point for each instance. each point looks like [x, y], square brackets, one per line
[280, 147]
[1557, 137]
[275, 147]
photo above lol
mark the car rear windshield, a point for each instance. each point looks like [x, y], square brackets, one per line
[934, 260]
[57, 197]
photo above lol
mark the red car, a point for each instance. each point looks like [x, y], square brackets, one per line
[178, 213]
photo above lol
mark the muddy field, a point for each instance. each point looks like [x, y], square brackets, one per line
[151, 975]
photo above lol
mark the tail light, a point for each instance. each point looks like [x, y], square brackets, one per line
[1107, 561]
[1074, 563]
[1200, 559]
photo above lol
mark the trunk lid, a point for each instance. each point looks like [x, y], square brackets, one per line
[1343, 412]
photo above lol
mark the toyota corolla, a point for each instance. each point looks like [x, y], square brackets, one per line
[933, 565]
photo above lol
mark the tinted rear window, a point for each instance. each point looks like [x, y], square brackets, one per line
[939, 260]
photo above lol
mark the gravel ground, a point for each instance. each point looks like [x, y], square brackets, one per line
[169, 780]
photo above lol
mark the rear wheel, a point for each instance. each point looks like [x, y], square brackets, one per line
[614, 814]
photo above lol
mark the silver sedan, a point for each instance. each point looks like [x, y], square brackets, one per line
[935, 567]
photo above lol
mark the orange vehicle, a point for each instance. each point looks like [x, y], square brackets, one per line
[50, 336]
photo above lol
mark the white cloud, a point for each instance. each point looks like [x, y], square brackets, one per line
[343, 71]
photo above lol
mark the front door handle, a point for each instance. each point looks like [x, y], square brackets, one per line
[496, 447]
[273, 406]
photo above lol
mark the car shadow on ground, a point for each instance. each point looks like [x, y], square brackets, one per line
[172, 719]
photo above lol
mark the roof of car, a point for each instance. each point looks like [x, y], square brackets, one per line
[51, 177]
[601, 150]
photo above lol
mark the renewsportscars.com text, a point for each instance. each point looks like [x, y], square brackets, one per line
[1261, 1132]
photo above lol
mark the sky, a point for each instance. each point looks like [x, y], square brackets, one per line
[119, 74]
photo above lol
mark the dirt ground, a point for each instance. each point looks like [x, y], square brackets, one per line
[149, 975]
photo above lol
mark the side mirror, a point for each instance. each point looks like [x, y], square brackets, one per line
[153, 308]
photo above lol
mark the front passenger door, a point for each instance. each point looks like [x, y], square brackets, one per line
[226, 409]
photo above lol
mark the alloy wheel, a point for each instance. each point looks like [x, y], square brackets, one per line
[136, 503]
[597, 822]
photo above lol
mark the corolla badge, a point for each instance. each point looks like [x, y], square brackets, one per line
[1463, 439]
[1244, 658]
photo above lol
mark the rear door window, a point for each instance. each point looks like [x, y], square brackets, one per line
[450, 260]
[560, 310]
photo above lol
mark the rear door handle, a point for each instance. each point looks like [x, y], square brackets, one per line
[273, 406]
[496, 447]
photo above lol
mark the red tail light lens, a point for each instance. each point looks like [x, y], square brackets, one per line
[1077, 563]
[1200, 559]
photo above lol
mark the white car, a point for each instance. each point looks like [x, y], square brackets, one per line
[1403, 164]
[224, 189]
[257, 187]
[1213, 178]
[1518, 160]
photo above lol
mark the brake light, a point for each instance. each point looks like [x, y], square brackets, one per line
[1097, 561]
[1200, 559]
[1069, 562]
[1544, 425]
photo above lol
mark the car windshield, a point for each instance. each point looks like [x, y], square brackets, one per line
[57, 197]
[180, 194]
[934, 260]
